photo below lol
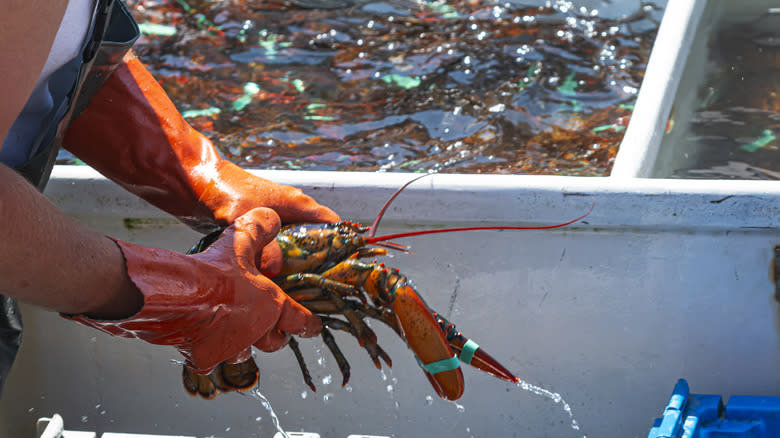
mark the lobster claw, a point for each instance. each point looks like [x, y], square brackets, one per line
[427, 341]
[471, 353]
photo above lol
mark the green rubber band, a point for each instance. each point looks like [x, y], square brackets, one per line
[441, 365]
[467, 353]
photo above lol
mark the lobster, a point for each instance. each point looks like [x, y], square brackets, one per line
[322, 270]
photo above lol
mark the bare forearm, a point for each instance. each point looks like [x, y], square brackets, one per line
[49, 260]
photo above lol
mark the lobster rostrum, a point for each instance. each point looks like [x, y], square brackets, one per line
[322, 270]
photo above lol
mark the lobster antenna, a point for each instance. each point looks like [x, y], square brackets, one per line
[381, 213]
[454, 230]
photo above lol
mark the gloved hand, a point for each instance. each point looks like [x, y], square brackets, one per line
[132, 133]
[212, 306]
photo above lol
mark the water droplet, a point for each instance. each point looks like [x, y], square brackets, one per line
[258, 419]
[93, 339]
[327, 397]
[428, 400]
[227, 429]
[348, 388]
[389, 388]
[304, 394]
[460, 408]
[327, 379]
[31, 410]
[84, 419]
[384, 376]
[103, 412]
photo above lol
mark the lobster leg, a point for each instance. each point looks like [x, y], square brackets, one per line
[416, 321]
[320, 286]
[334, 290]
[301, 363]
[330, 342]
[338, 324]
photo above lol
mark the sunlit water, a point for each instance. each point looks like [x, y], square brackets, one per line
[735, 131]
[403, 85]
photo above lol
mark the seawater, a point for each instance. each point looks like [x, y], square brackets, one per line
[734, 131]
[496, 86]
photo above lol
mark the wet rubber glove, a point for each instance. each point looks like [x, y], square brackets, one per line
[212, 306]
[132, 133]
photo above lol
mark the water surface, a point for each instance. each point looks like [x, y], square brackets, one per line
[456, 86]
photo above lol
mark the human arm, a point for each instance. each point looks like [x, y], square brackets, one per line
[132, 133]
[82, 272]
[49, 260]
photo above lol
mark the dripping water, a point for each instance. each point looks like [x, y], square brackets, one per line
[554, 396]
[256, 394]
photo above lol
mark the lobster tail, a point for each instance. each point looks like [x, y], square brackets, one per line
[225, 377]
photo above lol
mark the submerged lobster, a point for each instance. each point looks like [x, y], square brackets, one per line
[322, 271]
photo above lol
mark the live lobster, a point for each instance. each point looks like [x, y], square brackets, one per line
[322, 270]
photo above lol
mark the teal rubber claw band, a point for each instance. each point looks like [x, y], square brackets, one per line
[467, 353]
[441, 365]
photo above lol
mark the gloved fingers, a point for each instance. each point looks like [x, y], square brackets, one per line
[272, 341]
[303, 208]
[270, 262]
[298, 320]
[254, 231]
[246, 238]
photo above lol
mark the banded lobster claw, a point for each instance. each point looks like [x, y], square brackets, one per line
[469, 352]
[424, 336]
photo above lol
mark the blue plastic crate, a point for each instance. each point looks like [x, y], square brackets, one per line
[704, 416]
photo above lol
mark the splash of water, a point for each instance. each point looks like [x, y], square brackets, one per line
[256, 394]
[554, 396]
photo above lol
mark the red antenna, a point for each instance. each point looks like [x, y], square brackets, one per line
[387, 204]
[397, 246]
[455, 230]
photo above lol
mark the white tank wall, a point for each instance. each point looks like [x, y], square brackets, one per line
[667, 279]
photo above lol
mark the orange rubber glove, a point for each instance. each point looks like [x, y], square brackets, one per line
[212, 306]
[132, 133]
